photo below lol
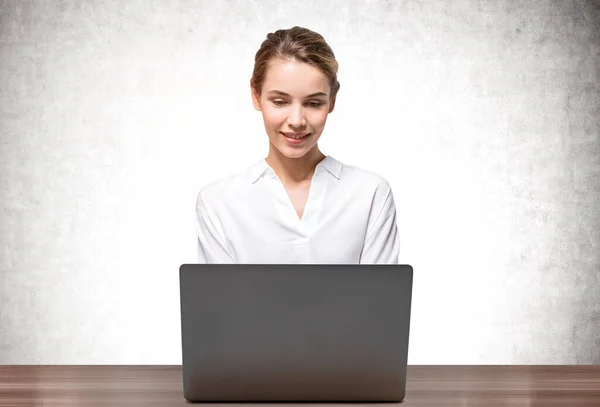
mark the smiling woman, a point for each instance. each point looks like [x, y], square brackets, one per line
[297, 205]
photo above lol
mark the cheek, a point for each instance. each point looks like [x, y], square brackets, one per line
[319, 118]
[273, 117]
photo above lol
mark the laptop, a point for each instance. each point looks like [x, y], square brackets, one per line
[301, 333]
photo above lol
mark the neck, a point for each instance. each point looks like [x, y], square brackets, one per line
[294, 170]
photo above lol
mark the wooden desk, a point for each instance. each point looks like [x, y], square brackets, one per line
[482, 386]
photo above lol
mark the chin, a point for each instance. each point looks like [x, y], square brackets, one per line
[290, 151]
[293, 152]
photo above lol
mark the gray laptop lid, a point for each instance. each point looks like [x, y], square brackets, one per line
[295, 332]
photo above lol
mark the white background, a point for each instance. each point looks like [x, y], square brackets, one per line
[483, 116]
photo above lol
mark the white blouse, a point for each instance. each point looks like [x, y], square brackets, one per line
[349, 218]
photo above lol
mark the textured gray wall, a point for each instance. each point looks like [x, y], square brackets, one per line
[483, 116]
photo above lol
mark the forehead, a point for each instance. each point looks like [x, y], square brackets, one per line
[294, 77]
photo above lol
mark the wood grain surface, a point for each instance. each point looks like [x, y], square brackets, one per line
[483, 386]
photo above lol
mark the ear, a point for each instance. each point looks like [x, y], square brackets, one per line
[331, 105]
[255, 98]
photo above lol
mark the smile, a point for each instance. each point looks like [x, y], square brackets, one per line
[296, 136]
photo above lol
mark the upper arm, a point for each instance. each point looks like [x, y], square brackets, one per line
[212, 246]
[382, 242]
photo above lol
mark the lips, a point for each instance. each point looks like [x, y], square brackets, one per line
[295, 139]
[296, 136]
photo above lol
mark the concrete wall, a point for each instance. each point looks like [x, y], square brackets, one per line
[484, 117]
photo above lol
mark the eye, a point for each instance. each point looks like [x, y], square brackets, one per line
[315, 104]
[279, 102]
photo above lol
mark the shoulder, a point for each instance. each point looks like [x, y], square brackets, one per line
[222, 190]
[369, 186]
[365, 180]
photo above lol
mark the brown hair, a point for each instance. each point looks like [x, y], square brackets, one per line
[296, 43]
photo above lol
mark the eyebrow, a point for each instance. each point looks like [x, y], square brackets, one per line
[309, 96]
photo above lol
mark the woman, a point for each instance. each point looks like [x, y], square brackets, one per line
[297, 205]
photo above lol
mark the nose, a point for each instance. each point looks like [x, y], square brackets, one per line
[296, 117]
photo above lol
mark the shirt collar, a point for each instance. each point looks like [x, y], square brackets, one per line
[261, 168]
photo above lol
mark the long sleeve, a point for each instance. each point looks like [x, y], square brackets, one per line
[212, 248]
[382, 242]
